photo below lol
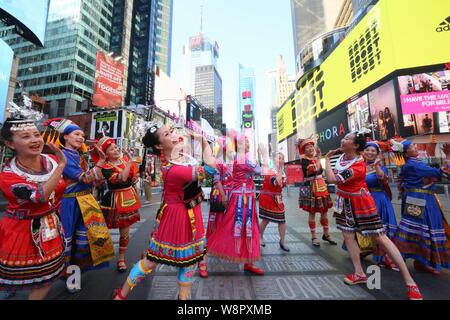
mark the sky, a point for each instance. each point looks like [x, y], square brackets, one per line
[249, 32]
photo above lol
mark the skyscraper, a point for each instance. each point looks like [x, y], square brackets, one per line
[247, 121]
[142, 35]
[202, 78]
[63, 71]
[202, 52]
[246, 98]
[281, 86]
[208, 90]
[310, 18]
[164, 13]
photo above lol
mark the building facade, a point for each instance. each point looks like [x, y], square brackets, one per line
[281, 86]
[142, 36]
[164, 14]
[246, 98]
[311, 18]
[202, 78]
[63, 71]
[208, 90]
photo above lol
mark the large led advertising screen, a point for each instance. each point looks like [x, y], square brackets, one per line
[425, 102]
[368, 54]
[29, 15]
[6, 60]
[108, 85]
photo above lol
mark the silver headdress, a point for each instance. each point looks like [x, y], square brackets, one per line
[145, 126]
[23, 117]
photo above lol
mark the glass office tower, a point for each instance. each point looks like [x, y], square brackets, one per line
[63, 71]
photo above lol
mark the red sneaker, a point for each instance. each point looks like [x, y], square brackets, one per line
[202, 270]
[414, 293]
[353, 279]
[254, 269]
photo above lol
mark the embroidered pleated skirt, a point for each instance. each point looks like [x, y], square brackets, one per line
[237, 240]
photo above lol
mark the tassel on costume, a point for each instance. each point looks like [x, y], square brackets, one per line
[249, 224]
[238, 224]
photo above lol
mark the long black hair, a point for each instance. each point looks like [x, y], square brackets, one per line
[360, 140]
[150, 140]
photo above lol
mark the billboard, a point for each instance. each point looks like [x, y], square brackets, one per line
[358, 113]
[29, 16]
[286, 120]
[331, 128]
[383, 110]
[425, 92]
[106, 123]
[6, 61]
[381, 43]
[425, 102]
[108, 84]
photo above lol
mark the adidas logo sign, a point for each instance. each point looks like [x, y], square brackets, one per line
[444, 25]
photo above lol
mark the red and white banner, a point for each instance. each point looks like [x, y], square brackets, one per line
[108, 85]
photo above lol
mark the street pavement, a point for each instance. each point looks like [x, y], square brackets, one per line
[305, 273]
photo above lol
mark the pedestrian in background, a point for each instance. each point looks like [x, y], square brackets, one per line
[148, 183]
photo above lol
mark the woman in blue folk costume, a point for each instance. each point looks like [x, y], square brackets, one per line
[423, 233]
[376, 179]
[89, 244]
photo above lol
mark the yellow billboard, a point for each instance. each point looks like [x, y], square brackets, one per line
[393, 35]
[286, 120]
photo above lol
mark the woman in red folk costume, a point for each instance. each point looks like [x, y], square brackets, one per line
[31, 234]
[271, 206]
[313, 194]
[178, 238]
[238, 238]
[356, 211]
[121, 203]
[220, 193]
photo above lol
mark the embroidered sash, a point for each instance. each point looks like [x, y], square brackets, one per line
[100, 242]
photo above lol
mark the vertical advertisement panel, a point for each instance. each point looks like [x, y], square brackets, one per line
[358, 113]
[108, 84]
[383, 109]
[106, 124]
[130, 138]
[6, 60]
